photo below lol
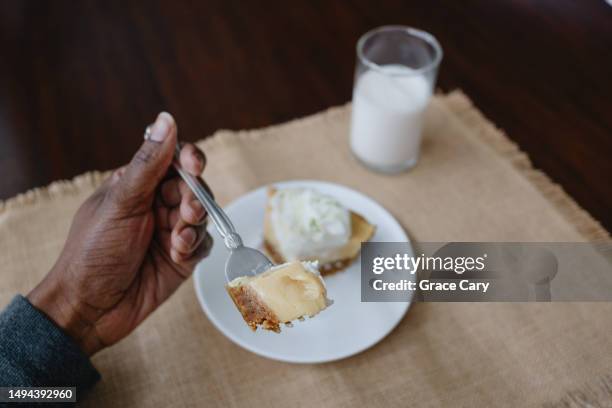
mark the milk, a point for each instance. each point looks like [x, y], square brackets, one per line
[387, 117]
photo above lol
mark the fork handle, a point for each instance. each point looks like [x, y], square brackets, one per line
[222, 222]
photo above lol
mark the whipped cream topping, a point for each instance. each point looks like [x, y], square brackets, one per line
[308, 224]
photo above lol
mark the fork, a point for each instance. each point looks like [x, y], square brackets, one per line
[242, 260]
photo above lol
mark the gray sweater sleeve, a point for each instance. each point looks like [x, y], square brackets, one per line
[34, 352]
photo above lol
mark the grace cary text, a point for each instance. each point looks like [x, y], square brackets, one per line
[427, 285]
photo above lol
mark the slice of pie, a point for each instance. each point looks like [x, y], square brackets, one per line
[305, 225]
[284, 293]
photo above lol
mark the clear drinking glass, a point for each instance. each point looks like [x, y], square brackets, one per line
[394, 80]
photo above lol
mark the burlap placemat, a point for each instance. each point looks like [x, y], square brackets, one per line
[471, 184]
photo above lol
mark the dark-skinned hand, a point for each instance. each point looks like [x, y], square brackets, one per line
[130, 246]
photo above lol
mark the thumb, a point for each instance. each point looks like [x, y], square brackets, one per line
[151, 162]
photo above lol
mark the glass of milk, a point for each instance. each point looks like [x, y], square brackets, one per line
[394, 80]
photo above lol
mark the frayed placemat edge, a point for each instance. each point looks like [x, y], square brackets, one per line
[61, 188]
[587, 226]
[456, 101]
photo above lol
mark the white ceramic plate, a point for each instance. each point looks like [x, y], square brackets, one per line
[347, 327]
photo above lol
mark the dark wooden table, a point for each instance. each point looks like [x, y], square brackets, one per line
[80, 79]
